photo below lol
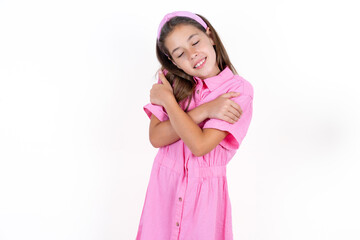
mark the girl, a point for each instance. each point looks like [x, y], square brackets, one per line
[197, 128]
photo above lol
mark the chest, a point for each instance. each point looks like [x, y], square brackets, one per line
[201, 95]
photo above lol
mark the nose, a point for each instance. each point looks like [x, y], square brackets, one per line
[193, 53]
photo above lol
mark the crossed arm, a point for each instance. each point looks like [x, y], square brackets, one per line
[184, 125]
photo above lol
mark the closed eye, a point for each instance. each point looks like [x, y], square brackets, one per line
[193, 45]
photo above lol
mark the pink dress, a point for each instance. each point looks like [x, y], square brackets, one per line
[187, 196]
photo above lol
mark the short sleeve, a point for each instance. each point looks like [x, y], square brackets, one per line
[158, 110]
[237, 130]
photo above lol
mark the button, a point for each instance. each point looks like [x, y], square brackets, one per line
[197, 91]
[177, 224]
[180, 199]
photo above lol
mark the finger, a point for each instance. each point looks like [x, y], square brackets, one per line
[233, 114]
[236, 109]
[231, 94]
[230, 118]
[163, 78]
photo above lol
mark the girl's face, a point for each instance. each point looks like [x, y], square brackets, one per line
[192, 51]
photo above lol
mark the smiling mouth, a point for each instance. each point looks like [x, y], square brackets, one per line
[200, 63]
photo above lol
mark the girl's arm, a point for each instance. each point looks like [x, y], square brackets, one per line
[197, 140]
[162, 133]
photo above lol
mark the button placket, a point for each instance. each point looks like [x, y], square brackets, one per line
[179, 207]
[199, 86]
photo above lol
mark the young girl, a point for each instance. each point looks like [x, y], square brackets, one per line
[197, 128]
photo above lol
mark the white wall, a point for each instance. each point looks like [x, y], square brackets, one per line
[75, 158]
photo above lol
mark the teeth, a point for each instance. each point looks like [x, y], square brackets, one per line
[197, 65]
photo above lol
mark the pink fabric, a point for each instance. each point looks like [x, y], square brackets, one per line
[169, 16]
[187, 197]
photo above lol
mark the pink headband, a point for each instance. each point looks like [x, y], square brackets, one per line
[168, 16]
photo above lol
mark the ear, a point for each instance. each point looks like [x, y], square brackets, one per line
[208, 32]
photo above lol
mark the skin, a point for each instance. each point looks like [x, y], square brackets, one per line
[184, 125]
[188, 53]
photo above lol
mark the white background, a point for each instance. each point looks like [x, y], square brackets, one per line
[75, 158]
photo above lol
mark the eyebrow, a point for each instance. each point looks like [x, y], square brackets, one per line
[187, 40]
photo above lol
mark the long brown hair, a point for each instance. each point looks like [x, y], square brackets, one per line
[183, 83]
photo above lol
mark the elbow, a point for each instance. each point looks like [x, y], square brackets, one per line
[155, 145]
[199, 154]
[153, 137]
[153, 142]
[198, 151]
[199, 148]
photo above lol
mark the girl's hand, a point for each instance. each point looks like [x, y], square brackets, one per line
[160, 93]
[224, 108]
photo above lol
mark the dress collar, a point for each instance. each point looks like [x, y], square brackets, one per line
[213, 82]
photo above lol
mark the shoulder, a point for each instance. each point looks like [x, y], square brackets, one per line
[240, 84]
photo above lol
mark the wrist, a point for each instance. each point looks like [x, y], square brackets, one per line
[205, 110]
[170, 101]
